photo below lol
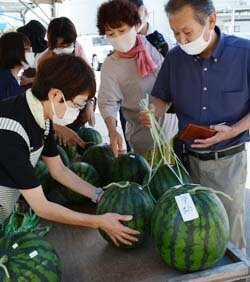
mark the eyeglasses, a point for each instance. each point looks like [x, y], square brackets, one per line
[79, 106]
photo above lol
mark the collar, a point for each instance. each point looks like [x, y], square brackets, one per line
[36, 108]
[220, 45]
[218, 49]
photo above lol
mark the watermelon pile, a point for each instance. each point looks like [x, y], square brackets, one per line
[28, 257]
[132, 188]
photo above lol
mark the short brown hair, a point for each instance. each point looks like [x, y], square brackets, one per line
[12, 52]
[71, 74]
[61, 27]
[114, 13]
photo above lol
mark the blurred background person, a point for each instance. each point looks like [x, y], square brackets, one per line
[36, 32]
[161, 42]
[15, 55]
[62, 37]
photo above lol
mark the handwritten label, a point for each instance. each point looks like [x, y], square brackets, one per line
[33, 254]
[186, 207]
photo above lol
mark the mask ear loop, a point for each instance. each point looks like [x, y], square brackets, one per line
[53, 107]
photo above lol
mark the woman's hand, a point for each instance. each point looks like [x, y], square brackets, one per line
[110, 223]
[67, 136]
[116, 143]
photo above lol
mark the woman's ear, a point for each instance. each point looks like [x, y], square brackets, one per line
[55, 95]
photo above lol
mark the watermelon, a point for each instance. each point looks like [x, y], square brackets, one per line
[90, 136]
[63, 155]
[128, 198]
[28, 258]
[44, 176]
[130, 167]
[192, 245]
[88, 173]
[164, 178]
[101, 158]
[71, 152]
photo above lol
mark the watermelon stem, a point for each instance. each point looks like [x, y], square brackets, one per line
[3, 260]
[164, 147]
[125, 185]
[206, 189]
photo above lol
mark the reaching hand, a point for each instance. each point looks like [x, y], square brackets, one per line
[67, 136]
[116, 143]
[110, 223]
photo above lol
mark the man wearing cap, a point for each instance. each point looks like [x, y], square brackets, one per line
[206, 77]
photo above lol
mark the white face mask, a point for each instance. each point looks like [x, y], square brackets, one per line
[69, 116]
[30, 59]
[125, 42]
[67, 50]
[198, 45]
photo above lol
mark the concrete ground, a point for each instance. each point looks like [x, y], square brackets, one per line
[100, 125]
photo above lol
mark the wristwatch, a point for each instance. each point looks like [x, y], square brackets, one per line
[97, 195]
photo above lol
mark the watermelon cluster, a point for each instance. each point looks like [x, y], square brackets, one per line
[132, 188]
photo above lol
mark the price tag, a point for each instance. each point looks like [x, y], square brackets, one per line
[15, 246]
[186, 207]
[33, 254]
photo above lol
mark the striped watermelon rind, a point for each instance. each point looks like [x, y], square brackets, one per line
[101, 158]
[130, 167]
[194, 245]
[128, 199]
[164, 178]
[44, 176]
[63, 155]
[90, 136]
[71, 152]
[86, 172]
[18, 250]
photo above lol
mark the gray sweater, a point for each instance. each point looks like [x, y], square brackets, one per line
[122, 87]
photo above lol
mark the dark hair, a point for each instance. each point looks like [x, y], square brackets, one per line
[114, 13]
[138, 3]
[12, 52]
[36, 33]
[201, 8]
[71, 74]
[61, 27]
